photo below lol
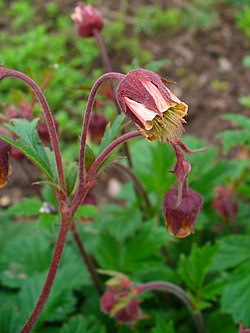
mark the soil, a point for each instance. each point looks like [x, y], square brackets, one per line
[207, 65]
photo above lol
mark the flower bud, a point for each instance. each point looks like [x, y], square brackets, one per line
[180, 217]
[224, 205]
[5, 168]
[87, 20]
[156, 111]
[120, 300]
[97, 126]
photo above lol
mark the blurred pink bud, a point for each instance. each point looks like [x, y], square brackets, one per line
[43, 131]
[97, 126]
[5, 168]
[120, 300]
[241, 330]
[156, 111]
[224, 205]
[87, 20]
[180, 217]
[17, 154]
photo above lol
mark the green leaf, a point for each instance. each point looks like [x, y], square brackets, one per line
[232, 251]
[9, 320]
[163, 327]
[232, 138]
[30, 144]
[71, 177]
[193, 269]
[89, 157]
[239, 120]
[80, 324]
[111, 132]
[219, 322]
[236, 295]
[90, 211]
[26, 207]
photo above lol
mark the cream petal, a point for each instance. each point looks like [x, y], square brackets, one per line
[160, 101]
[140, 111]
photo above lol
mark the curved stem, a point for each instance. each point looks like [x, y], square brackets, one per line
[97, 163]
[61, 240]
[85, 125]
[103, 51]
[181, 294]
[137, 184]
[5, 72]
[87, 260]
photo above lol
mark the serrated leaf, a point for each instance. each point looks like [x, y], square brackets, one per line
[89, 157]
[193, 269]
[80, 324]
[163, 327]
[236, 295]
[26, 207]
[111, 132]
[232, 251]
[30, 144]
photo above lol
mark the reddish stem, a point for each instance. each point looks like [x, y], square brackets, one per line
[61, 240]
[181, 294]
[87, 260]
[5, 72]
[85, 125]
[103, 51]
[96, 165]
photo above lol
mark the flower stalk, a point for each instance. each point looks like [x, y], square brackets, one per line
[181, 294]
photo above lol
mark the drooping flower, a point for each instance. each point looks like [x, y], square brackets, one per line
[120, 300]
[224, 204]
[180, 218]
[181, 205]
[156, 111]
[5, 168]
[87, 20]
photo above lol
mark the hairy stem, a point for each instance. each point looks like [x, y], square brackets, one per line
[96, 165]
[108, 68]
[60, 243]
[85, 125]
[181, 294]
[87, 260]
[137, 183]
[5, 72]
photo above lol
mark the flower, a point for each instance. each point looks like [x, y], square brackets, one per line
[156, 111]
[87, 20]
[180, 218]
[224, 205]
[5, 168]
[241, 330]
[97, 126]
[120, 302]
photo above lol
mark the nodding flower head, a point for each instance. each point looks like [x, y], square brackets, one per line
[87, 20]
[157, 112]
[5, 168]
[224, 204]
[180, 218]
[120, 300]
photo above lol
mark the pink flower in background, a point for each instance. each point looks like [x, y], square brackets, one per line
[87, 20]
[224, 204]
[97, 126]
[120, 300]
[241, 330]
[157, 112]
